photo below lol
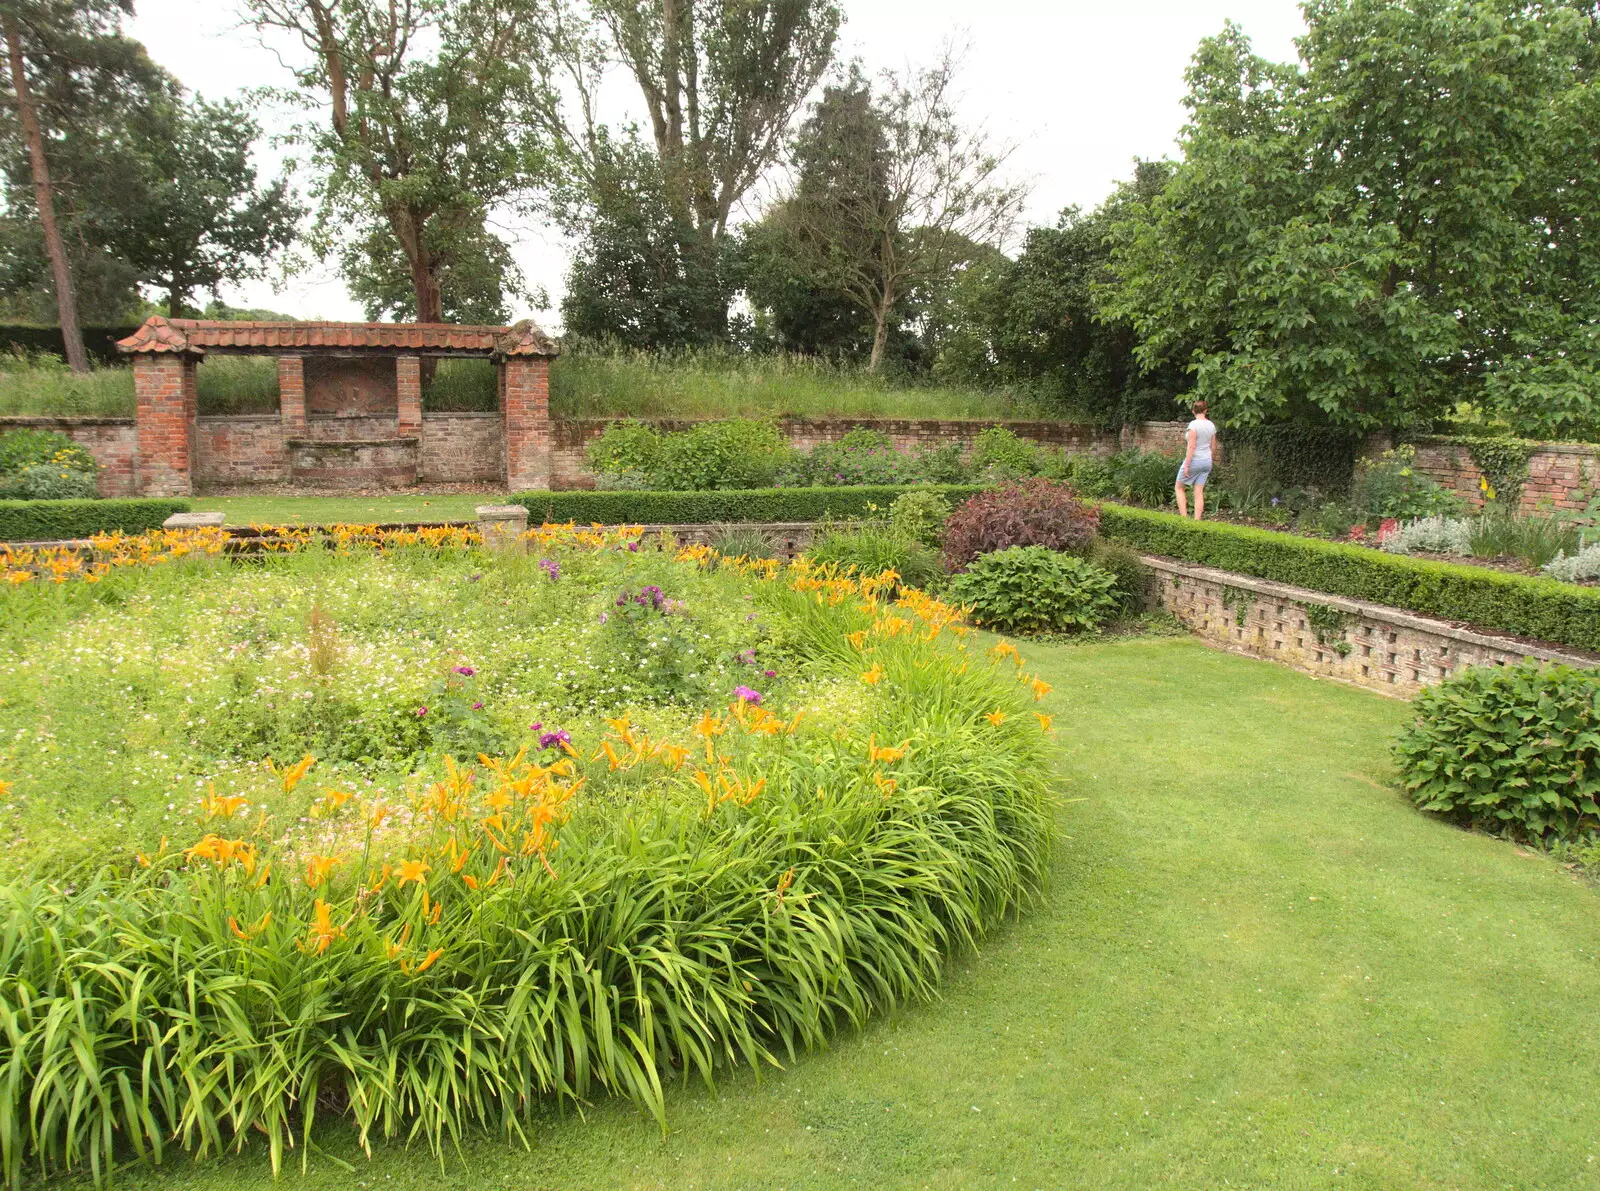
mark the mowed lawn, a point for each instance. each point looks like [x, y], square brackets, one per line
[1256, 967]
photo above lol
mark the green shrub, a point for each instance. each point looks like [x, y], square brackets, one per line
[625, 455]
[1391, 486]
[998, 454]
[1143, 477]
[1029, 589]
[920, 515]
[1132, 576]
[53, 520]
[1528, 607]
[705, 508]
[873, 548]
[864, 455]
[1089, 474]
[1513, 747]
[1432, 535]
[45, 465]
[737, 453]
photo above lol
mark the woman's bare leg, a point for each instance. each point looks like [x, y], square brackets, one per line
[1183, 500]
[1199, 502]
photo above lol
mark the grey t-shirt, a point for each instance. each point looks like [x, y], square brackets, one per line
[1205, 430]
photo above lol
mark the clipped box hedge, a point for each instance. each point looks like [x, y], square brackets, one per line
[52, 520]
[1544, 609]
[700, 508]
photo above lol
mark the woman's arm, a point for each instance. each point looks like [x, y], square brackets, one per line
[1188, 456]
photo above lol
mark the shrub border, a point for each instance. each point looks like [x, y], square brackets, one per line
[744, 504]
[1542, 609]
[55, 520]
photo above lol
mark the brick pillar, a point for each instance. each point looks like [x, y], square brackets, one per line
[292, 395]
[163, 386]
[408, 387]
[525, 406]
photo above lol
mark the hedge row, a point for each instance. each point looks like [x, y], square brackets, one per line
[1540, 608]
[700, 508]
[100, 342]
[52, 520]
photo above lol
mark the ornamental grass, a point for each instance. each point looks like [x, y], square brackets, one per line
[659, 894]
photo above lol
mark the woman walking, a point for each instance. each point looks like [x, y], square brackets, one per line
[1197, 460]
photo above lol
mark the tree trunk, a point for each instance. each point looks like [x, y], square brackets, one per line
[880, 337]
[45, 200]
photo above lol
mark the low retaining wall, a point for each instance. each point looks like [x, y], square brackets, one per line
[1369, 645]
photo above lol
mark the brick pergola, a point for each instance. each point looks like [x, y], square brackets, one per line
[350, 369]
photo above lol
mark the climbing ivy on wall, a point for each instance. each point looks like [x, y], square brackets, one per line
[1503, 462]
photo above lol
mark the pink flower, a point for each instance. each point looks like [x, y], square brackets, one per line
[421, 711]
[1387, 529]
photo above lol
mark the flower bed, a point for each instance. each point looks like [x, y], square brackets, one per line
[543, 826]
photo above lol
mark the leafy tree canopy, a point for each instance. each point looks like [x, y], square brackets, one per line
[1033, 322]
[1404, 221]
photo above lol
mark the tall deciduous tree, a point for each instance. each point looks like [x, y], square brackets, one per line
[893, 193]
[62, 56]
[1406, 220]
[1033, 321]
[189, 213]
[429, 109]
[720, 82]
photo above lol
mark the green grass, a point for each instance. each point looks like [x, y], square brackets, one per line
[1256, 966]
[329, 510]
[709, 384]
[585, 383]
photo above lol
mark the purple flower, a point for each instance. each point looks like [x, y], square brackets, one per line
[604, 618]
[538, 727]
[421, 711]
[748, 657]
[464, 671]
[746, 695]
[769, 674]
[554, 739]
[550, 567]
[477, 707]
[633, 547]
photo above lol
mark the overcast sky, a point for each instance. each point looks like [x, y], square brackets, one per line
[1081, 87]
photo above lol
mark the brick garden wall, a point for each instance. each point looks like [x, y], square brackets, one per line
[1560, 475]
[461, 448]
[246, 449]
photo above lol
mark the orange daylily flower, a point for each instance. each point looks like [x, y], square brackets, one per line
[318, 868]
[887, 753]
[1045, 721]
[413, 870]
[323, 932]
[1041, 688]
[996, 717]
[873, 676]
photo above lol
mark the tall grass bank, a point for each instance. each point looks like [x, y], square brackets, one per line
[421, 837]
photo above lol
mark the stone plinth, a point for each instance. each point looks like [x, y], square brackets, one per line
[195, 521]
[502, 526]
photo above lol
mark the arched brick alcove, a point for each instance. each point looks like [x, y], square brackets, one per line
[350, 396]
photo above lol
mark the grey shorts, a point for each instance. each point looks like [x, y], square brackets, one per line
[1196, 474]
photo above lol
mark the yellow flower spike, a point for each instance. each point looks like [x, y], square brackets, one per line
[873, 676]
[394, 950]
[319, 868]
[470, 881]
[293, 775]
[1045, 721]
[413, 870]
[380, 811]
[323, 932]
[438, 908]
[996, 717]
[857, 639]
[610, 754]
[432, 958]
[333, 799]
[500, 871]
[233, 926]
